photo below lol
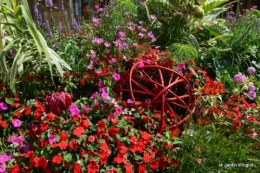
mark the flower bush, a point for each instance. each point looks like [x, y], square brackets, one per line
[80, 125]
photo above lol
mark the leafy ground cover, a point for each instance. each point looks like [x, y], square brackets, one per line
[66, 117]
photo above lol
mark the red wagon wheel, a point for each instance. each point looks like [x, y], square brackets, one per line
[160, 88]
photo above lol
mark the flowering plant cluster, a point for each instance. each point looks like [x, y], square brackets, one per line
[91, 135]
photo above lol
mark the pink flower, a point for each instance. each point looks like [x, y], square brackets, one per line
[251, 70]
[74, 110]
[153, 17]
[17, 123]
[52, 139]
[86, 108]
[94, 95]
[110, 117]
[199, 161]
[254, 135]
[118, 110]
[130, 101]
[116, 76]
[181, 67]
[104, 95]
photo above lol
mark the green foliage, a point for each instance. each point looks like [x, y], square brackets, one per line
[26, 40]
[210, 149]
[183, 52]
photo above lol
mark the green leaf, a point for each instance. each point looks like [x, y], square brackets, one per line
[43, 136]
[67, 157]
[138, 157]
[9, 101]
[257, 100]
[57, 137]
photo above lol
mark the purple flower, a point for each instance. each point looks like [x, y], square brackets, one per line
[26, 149]
[252, 94]
[181, 67]
[4, 158]
[3, 106]
[2, 168]
[60, 27]
[239, 78]
[251, 70]
[52, 139]
[17, 123]
[116, 76]
[251, 88]
[74, 110]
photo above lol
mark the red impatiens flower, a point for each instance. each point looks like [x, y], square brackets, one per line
[147, 157]
[76, 168]
[104, 146]
[141, 168]
[63, 136]
[15, 169]
[3, 124]
[113, 130]
[154, 165]
[91, 138]
[39, 162]
[78, 131]
[92, 168]
[84, 123]
[27, 111]
[128, 168]
[120, 159]
[56, 160]
[101, 124]
[43, 127]
[121, 148]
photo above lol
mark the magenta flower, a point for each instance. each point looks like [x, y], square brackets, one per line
[74, 110]
[100, 84]
[86, 108]
[2, 168]
[181, 67]
[16, 140]
[52, 139]
[251, 70]
[94, 95]
[17, 123]
[239, 78]
[110, 117]
[252, 94]
[104, 95]
[118, 110]
[4, 158]
[3, 106]
[116, 76]
[130, 101]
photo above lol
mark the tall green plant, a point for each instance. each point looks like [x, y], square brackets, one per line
[19, 33]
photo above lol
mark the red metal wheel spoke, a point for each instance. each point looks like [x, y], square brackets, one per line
[142, 87]
[173, 112]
